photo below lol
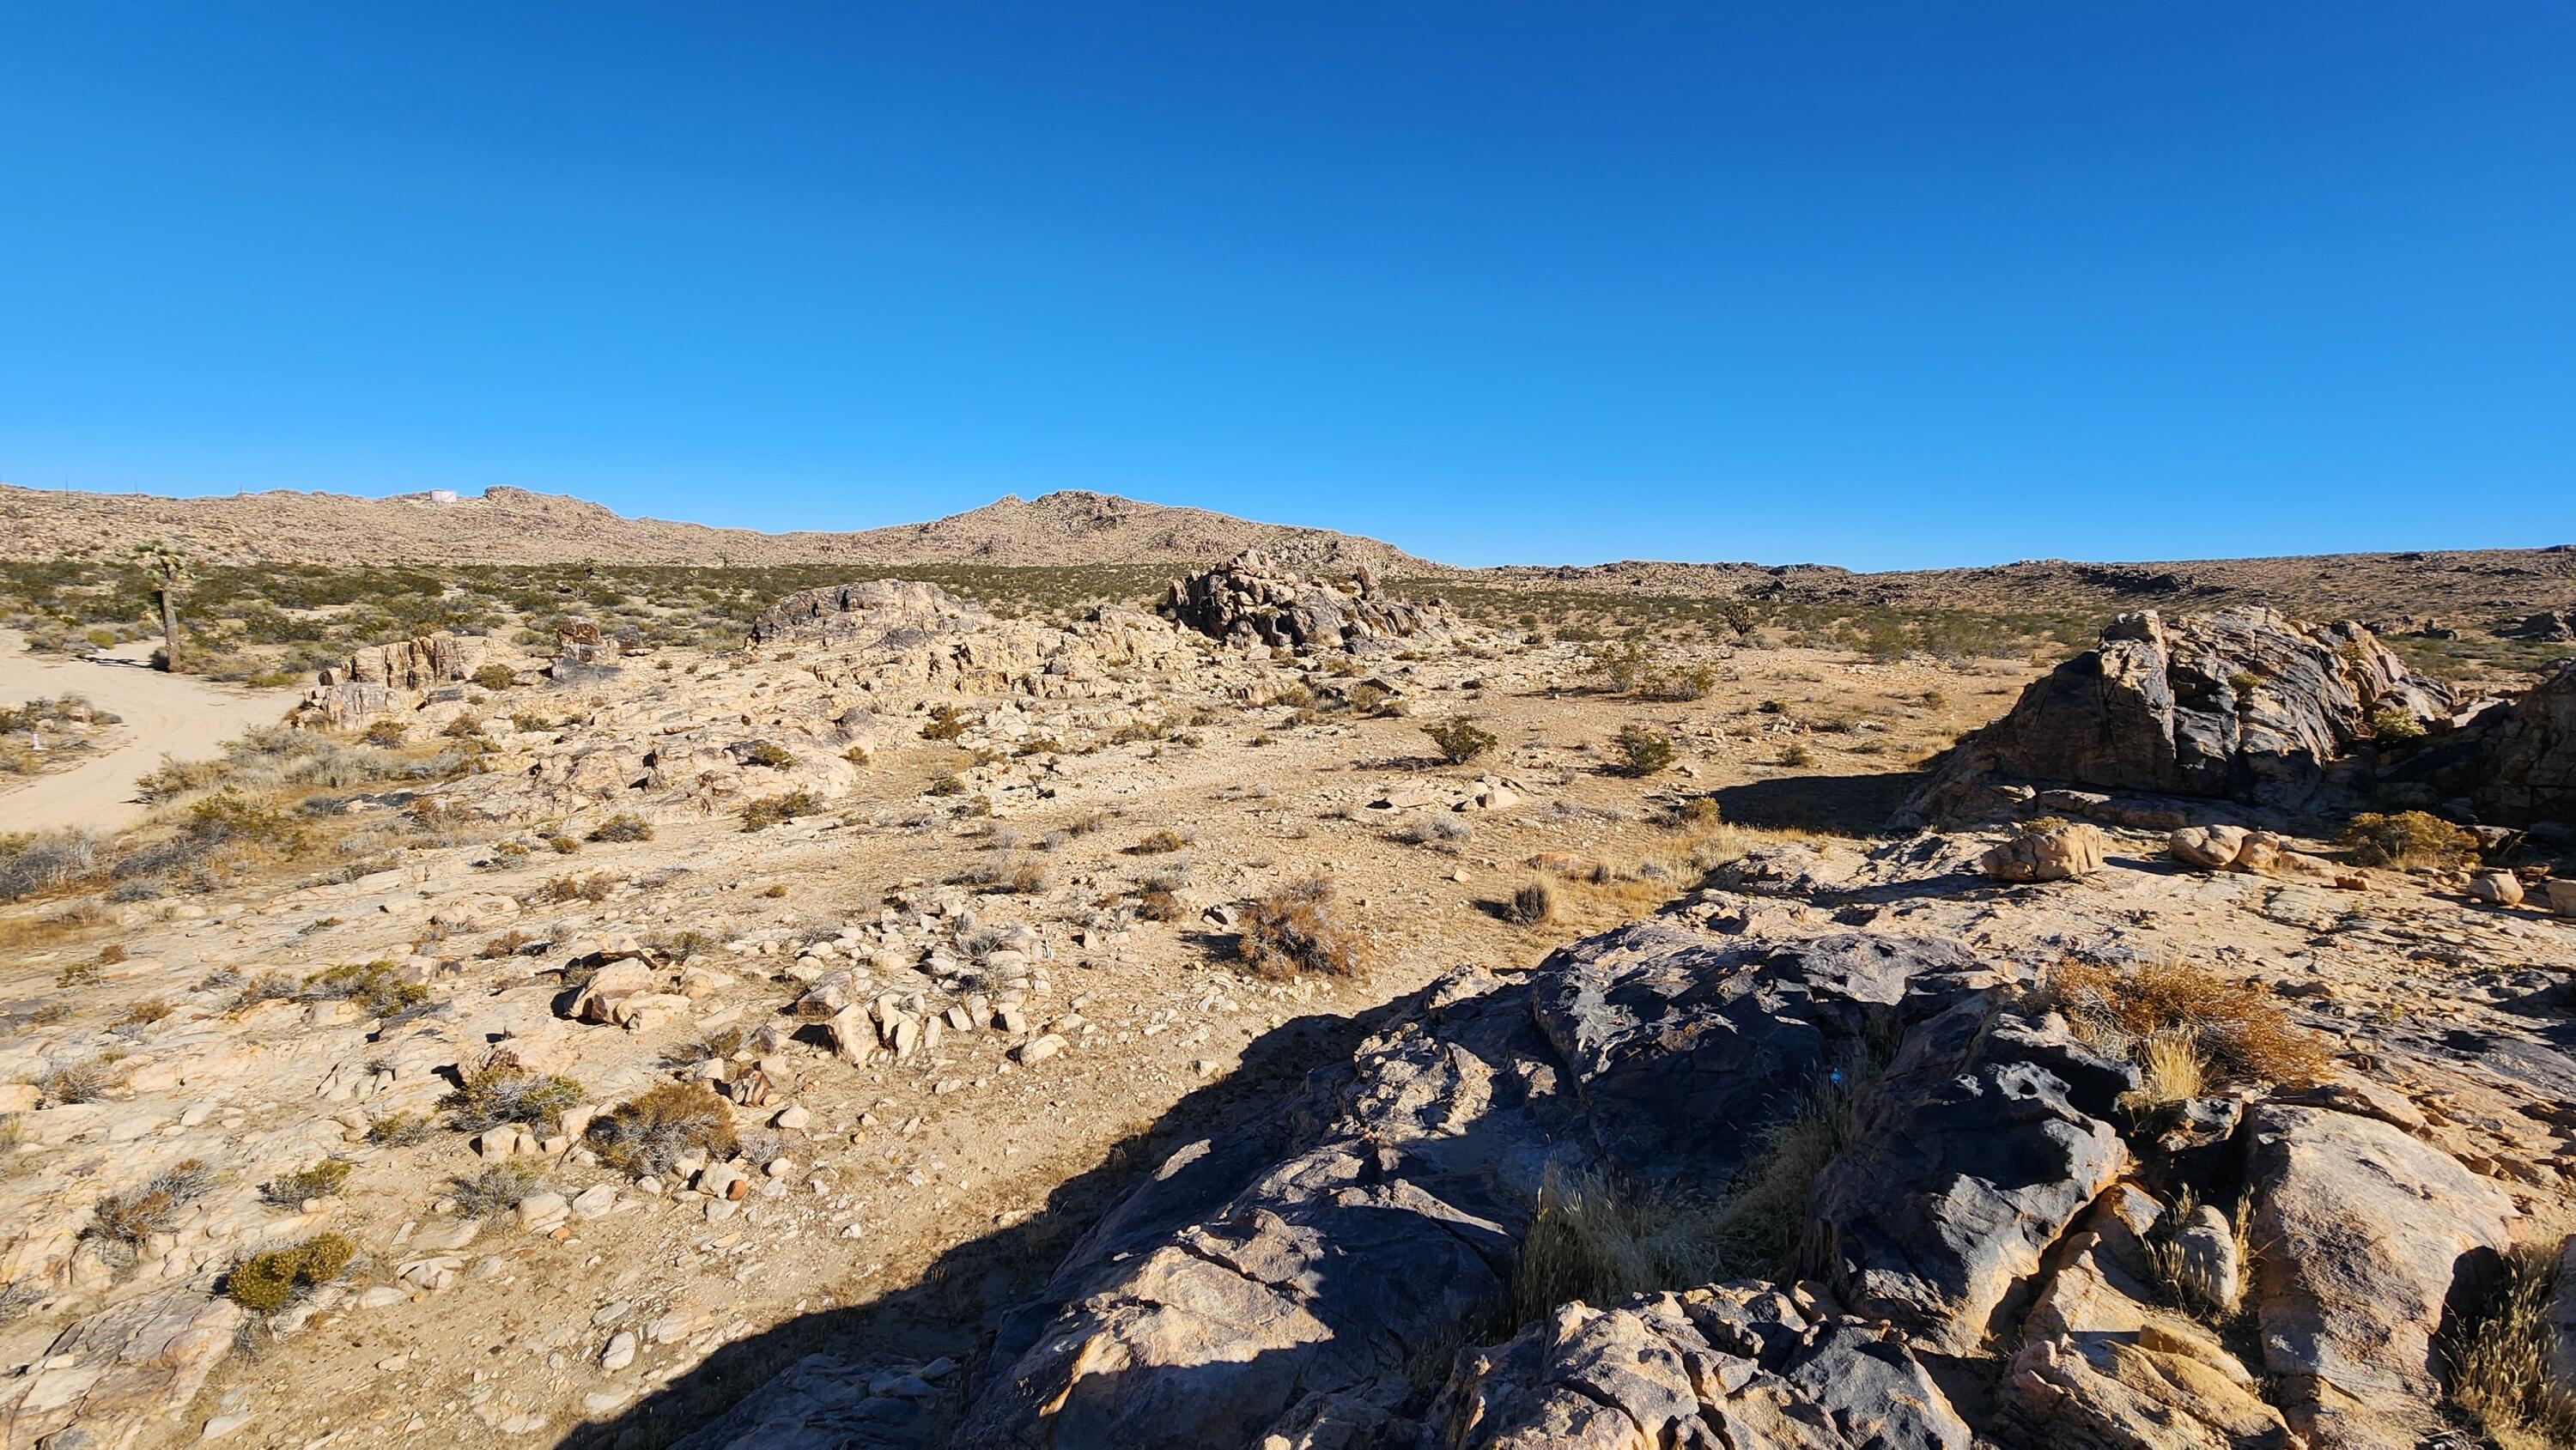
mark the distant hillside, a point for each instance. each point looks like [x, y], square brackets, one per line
[513, 526]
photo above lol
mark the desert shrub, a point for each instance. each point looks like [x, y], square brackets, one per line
[1688, 683]
[1619, 663]
[655, 1129]
[1638, 752]
[624, 826]
[227, 815]
[31, 863]
[121, 1222]
[266, 987]
[495, 677]
[377, 987]
[463, 727]
[2407, 838]
[266, 1283]
[1160, 903]
[322, 1180]
[1023, 878]
[1293, 930]
[506, 1092]
[142, 1013]
[561, 844]
[768, 754]
[947, 722]
[2393, 726]
[2234, 1028]
[1367, 697]
[773, 810]
[1531, 905]
[1434, 828]
[1796, 756]
[399, 1130]
[1460, 739]
[507, 944]
[385, 734]
[77, 1082]
[2501, 1352]
[499, 1188]
[80, 974]
[1159, 843]
[597, 886]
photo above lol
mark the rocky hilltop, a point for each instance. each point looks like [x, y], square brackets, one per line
[514, 526]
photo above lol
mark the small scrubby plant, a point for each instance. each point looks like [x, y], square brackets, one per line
[768, 754]
[495, 677]
[655, 1129]
[1293, 930]
[499, 1188]
[266, 1283]
[322, 1180]
[121, 1222]
[2393, 726]
[624, 826]
[1460, 739]
[1638, 752]
[377, 987]
[2407, 838]
[773, 810]
[1531, 905]
[506, 1092]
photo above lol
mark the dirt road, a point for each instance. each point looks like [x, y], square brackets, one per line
[164, 715]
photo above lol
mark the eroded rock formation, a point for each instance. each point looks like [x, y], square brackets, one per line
[1252, 600]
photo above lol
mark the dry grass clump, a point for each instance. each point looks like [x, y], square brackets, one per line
[768, 754]
[1460, 739]
[506, 1092]
[1293, 930]
[32, 863]
[399, 1130]
[947, 722]
[1531, 905]
[2500, 1356]
[1159, 843]
[2187, 1283]
[2407, 838]
[655, 1129]
[1434, 828]
[121, 1222]
[624, 826]
[1595, 1238]
[597, 886]
[1022, 878]
[1159, 902]
[74, 1082]
[774, 810]
[322, 1180]
[2157, 1012]
[266, 1283]
[499, 1188]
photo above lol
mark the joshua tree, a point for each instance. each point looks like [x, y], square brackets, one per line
[167, 566]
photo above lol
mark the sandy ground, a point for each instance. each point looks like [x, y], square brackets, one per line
[163, 715]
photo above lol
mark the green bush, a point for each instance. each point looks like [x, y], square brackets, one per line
[2394, 726]
[266, 1283]
[322, 1180]
[1460, 739]
[1640, 752]
[665, 1123]
[495, 677]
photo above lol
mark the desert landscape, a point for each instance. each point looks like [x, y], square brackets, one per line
[1303, 999]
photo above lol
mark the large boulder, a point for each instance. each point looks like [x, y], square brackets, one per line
[110, 1379]
[2243, 704]
[2529, 772]
[422, 662]
[873, 610]
[2366, 1234]
[1250, 599]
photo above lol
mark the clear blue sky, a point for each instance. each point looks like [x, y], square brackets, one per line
[1878, 284]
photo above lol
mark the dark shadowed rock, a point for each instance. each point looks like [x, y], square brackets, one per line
[2529, 771]
[1250, 599]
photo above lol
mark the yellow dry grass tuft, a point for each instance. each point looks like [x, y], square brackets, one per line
[2500, 1358]
[2234, 1027]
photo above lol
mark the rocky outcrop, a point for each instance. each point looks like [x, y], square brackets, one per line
[871, 610]
[2529, 770]
[117, 1375]
[2239, 704]
[1252, 600]
[420, 663]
